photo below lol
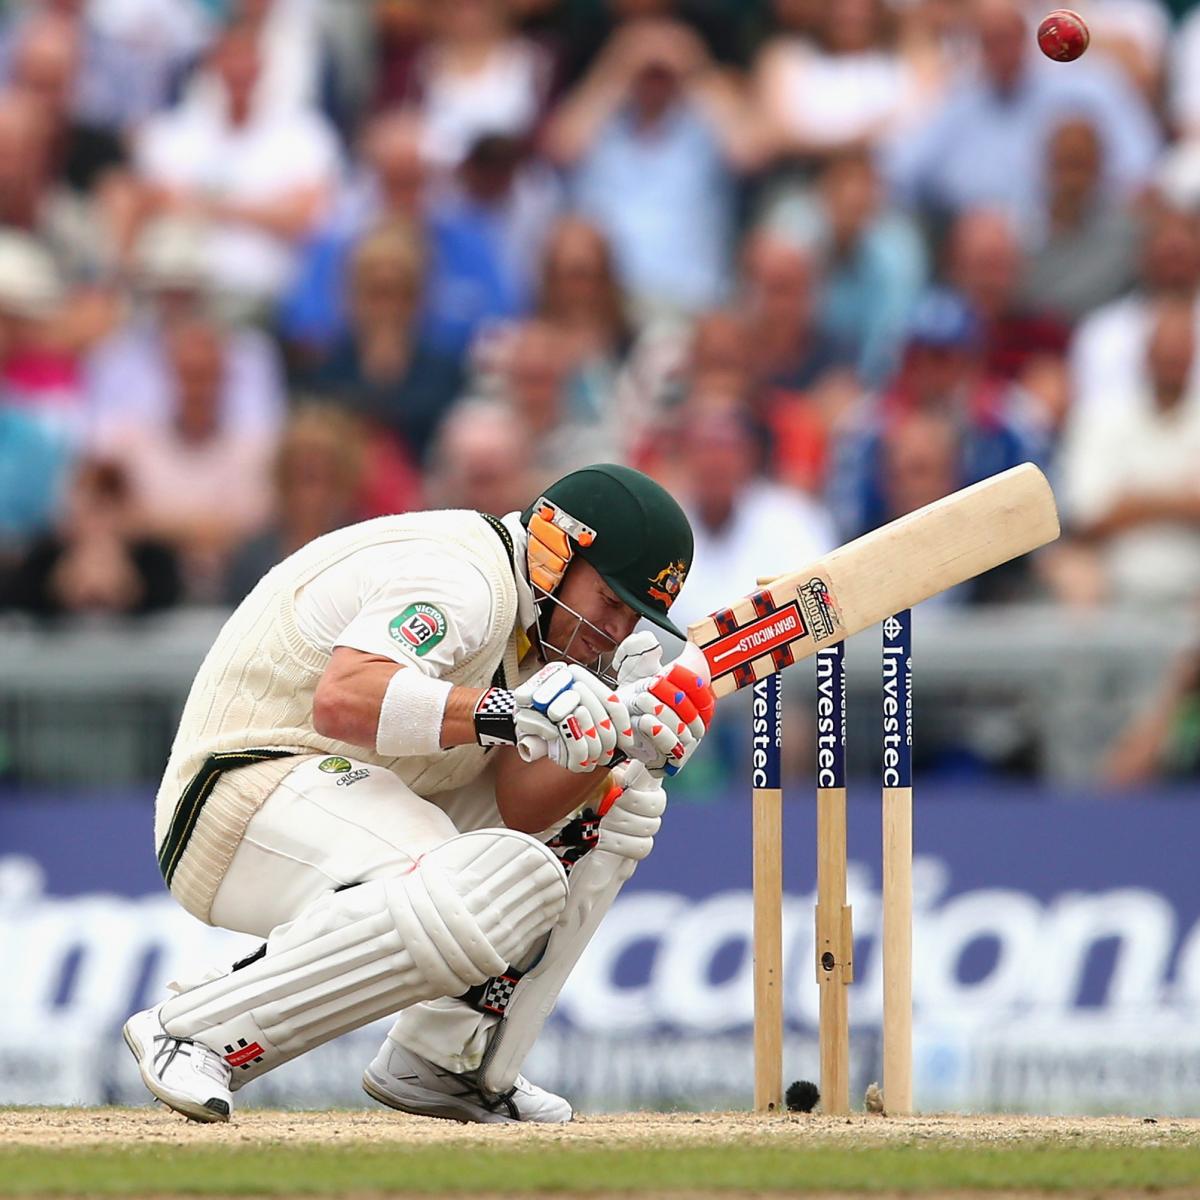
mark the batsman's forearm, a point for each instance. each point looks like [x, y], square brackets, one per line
[534, 796]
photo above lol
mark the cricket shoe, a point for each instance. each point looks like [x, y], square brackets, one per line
[183, 1074]
[403, 1080]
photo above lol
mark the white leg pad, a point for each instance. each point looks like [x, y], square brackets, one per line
[464, 911]
[595, 882]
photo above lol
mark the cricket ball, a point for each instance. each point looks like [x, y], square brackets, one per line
[1063, 35]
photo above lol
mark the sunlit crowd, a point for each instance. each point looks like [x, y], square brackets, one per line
[268, 267]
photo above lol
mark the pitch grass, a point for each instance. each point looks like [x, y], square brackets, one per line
[276, 1169]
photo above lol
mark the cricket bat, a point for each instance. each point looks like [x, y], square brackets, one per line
[867, 580]
[863, 582]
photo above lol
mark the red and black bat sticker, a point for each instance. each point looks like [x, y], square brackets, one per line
[771, 632]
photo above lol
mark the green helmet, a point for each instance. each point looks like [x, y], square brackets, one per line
[624, 525]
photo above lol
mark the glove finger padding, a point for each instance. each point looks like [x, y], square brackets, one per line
[638, 657]
[601, 723]
[676, 701]
[550, 707]
[665, 742]
[611, 712]
[634, 816]
[671, 739]
[698, 691]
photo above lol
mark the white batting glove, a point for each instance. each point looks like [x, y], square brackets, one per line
[629, 825]
[669, 706]
[638, 657]
[610, 711]
[550, 706]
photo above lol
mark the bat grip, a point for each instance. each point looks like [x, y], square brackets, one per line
[691, 658]
[531, 748]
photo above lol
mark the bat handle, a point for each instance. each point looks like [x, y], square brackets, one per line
[691, 658]
[531, 748]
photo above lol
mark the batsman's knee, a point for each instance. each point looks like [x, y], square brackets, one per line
[474, 904]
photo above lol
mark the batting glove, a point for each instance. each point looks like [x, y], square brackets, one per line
[547, 706]
[631, 812]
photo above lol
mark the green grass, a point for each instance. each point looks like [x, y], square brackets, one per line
[276, 1169]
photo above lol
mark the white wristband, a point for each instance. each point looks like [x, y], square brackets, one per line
[410, 717]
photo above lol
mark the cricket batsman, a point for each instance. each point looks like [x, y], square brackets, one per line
[419, 761]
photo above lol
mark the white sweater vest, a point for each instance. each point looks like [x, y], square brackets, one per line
[254, 692]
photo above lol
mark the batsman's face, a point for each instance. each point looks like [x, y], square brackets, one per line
[589, 620]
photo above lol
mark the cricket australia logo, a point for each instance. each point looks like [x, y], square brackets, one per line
[334, 765]
[664, 587]
[419, 628]
[819, 609]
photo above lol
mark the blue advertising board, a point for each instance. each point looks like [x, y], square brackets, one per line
[1056, 957]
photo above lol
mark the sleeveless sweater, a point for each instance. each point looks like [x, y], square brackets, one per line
[254, 693]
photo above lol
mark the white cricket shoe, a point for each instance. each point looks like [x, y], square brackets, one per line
[183, 1074]
[403, 1080]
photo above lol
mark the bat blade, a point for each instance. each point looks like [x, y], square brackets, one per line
[889, 569]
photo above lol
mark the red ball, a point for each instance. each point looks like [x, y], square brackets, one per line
[1063, 35]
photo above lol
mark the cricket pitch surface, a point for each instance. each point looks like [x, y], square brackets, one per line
[152, 1154]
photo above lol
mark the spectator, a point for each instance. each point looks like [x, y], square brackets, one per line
[24, 163]
[318, 482]
[128, 378]
[839, 83]
[874, 261]
[727, 28]
[472, 78]
[985, 264]
[85, 171]
[96, 562]
[1108, 351]
[943, 376]
[1010, 108]
[532, 378]
[799, 369]
[744, 525]
[1133, 36]
[1161, 739]
[713, 353]
[130, 52]
[780, 290]
[381, 369]
[387, 183]
[199, 482]
[34, 465]
[920, 461]
[39, 367]
[581, 300]
[654, 138]
[1184, 91]
[1128, 473]
[1083, 251]
[770, 350]
[487, 229]
[481, 459]
[297, 67]
[262, 178]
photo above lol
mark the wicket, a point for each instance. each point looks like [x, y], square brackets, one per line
[834, 937]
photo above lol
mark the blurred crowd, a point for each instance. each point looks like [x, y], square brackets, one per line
[271, 266]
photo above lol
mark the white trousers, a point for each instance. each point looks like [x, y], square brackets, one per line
[322, 830]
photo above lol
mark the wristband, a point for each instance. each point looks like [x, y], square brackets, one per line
[410, 717]
[496, 718]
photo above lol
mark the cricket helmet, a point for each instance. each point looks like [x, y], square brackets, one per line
[626, 526]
